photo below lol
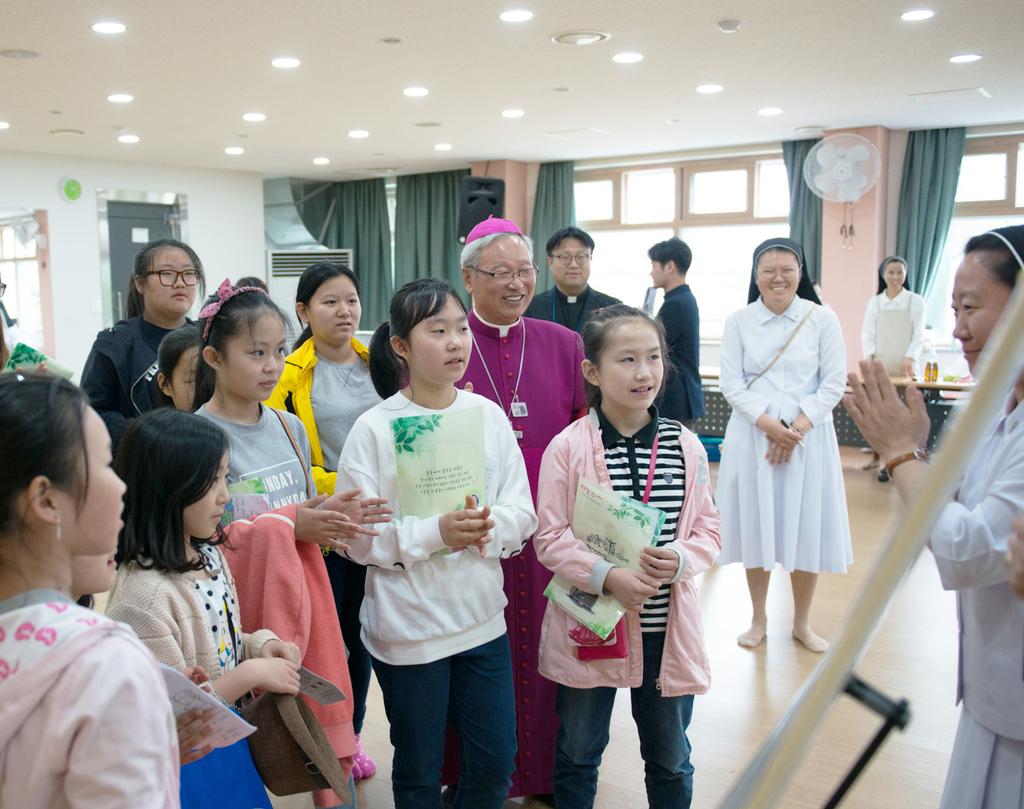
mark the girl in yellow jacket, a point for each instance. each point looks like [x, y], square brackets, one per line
[326, 383]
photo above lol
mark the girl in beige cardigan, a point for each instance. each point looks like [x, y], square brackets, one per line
[175, 590]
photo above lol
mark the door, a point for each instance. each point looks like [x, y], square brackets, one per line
[132, 225]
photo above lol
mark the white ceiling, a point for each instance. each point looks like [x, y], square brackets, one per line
[194, 66]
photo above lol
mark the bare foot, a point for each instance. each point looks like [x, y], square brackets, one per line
[873, 464]
[812, 642]
[752, 637]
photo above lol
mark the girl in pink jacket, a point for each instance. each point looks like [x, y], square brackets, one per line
[657, 650]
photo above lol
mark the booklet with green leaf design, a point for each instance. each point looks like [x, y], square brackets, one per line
[617, 528]
[25, 358]
[440, 461]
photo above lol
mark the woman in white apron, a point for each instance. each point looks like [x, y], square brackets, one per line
[893, 327]
[780, 484]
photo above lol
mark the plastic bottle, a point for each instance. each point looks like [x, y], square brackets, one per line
[931, 363]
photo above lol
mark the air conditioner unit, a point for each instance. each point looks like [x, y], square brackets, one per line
[285, 266]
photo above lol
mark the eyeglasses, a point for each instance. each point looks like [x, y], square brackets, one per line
[169, 278]
[785, 272]
[566, 259]
[508, 276]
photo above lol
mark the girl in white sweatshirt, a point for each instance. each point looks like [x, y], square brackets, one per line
[433, 616]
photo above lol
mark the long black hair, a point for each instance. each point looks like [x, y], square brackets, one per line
[172, 347]
[412, 304]
[805, 289]
[169, 460]
[144, 264]
[881, 272]
[311, 280]
[241, 312]
[1004, 249]
[42, 432]
[595, 341]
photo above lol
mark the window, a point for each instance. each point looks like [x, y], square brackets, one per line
[982, 178]
[718, 191]
[595, 201]
[19, 269]
[989, 194]
[722, 208]
[650, 196]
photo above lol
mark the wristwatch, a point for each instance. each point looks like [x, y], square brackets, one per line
[917, 455]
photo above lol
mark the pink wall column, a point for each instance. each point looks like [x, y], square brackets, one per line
[848, 277]
[514, 173]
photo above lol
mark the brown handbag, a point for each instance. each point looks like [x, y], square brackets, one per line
[290, 749]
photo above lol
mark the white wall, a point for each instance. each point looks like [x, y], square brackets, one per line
[225, 226]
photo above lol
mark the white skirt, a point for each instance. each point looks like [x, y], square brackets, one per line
[986, 771]
[793, 514]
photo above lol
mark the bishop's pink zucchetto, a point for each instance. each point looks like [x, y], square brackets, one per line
[492, 225]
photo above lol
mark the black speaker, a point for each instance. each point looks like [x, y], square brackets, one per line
[479, 198]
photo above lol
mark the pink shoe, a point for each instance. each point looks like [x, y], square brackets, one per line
[362, 765]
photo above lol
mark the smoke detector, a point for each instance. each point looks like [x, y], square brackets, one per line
[581, 37]
[729, 26]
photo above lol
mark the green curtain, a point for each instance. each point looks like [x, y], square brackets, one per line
[931, 170]
[354, 215]
[804, 205]
[554, 207]
[427, 227]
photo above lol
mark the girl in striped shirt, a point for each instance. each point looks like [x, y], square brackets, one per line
[657, 650]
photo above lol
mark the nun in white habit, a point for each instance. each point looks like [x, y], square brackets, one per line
[970, 538]
[780, 484]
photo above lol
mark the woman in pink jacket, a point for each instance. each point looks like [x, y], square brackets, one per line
[657, 650]
[85, 720]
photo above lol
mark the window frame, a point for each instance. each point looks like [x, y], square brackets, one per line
[683, 217]
[1008, 145]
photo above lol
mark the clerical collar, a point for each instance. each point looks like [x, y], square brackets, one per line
[571, 299]
[502, 330]
[611, 436]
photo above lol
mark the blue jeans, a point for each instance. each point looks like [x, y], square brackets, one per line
[474, 690]
[585, 715]
[348, 583]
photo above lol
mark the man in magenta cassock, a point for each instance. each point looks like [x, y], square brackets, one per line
[532, 370]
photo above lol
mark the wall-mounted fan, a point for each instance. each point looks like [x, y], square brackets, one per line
[843, 168]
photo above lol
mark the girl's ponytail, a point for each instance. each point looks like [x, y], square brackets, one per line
[387, 369]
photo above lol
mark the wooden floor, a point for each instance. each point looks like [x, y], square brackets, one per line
[913, 656]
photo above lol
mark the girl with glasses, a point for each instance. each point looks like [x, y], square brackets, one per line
[120, 373]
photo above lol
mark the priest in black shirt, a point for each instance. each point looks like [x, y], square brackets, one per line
[571, 301]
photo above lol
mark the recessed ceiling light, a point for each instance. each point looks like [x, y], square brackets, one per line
[4, 125]
[708, 89]
[234, 151]
[120, 98]
[415, 92]
[916, 15]
[254, 117]
[769, 111]
[358, 133]
[729, 26]
[516, 15]
[19, 53]
[627, 57]
[442, 147]
[512, 113]
[109, 27]
[128, 138]
[285, 62]
[321, 161]
[964, 58]
[581, 37]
